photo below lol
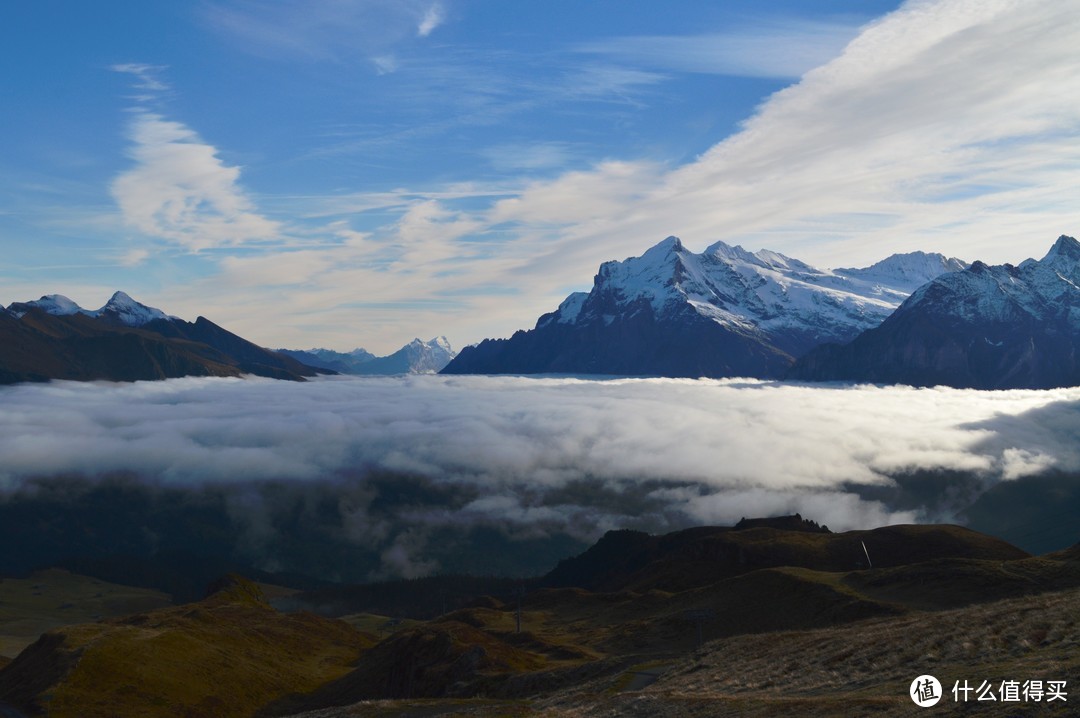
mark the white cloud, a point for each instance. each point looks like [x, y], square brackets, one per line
[941, 127]
[385, 64]
[536, 450]
[134, 257]
[180, 190]
[433, 17]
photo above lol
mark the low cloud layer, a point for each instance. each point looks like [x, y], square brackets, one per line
[534, 457]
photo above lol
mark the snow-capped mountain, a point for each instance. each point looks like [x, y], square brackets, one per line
[120, 309]
[989, 327]
[416, 357]
[905, 272]
[55, 304]
[724, 312]
[55, 338]
[424, 357]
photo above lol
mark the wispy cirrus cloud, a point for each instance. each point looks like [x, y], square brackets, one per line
[325, 30]
[147, 77]
[780, 48]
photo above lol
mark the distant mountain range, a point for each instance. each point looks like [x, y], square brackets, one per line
[125, 340]
[416, 357]
[999, 327]
[919, 319]
[724, 312]
[55, 338]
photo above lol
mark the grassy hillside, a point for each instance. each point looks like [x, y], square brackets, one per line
[52, 598]
[844, 668]
[627, 639]
[225, 656]
[696, 557]
[786, 632]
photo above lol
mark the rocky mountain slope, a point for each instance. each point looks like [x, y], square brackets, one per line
[724, 312]
[54, 338]
[987, 327]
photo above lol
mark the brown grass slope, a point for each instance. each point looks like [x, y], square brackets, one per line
[953, 583]
[39, 346]
[55, 597]
[225, 656]
[631, 560]
[572, 634]
[582, 634]
[466, 653]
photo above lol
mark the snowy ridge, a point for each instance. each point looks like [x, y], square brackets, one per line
[794, 304]
[55, 304]
[987, 327]
[120, 309]
[906, 272]
[1035, 290]
[124, 310]
[416, 357]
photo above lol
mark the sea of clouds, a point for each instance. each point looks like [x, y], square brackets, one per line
[536, 456]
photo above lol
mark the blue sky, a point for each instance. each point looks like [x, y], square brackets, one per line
[351, 173]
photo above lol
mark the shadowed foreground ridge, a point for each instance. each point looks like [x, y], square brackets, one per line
[627, 646]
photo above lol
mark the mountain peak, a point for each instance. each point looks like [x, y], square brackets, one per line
[724, 250]
[56, 304]
[674, 312]
[1065, 248]
[441, 342]
[1009, 327]
[121, 308]
[665, 246]
[908, 270]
